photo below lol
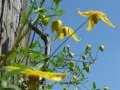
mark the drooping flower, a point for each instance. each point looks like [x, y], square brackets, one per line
[66, 31]
[94, 17]
[38, 73]
[62, 31]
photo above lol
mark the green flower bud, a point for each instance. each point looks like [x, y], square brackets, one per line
[88, 48]
[71, 55]
[74, 78]
[84, 57]
[45, 20]
[101, 48]
[72, 63]
[56, 2]
[106, 88]
[67, 46]
[87, 68]
[65, 88]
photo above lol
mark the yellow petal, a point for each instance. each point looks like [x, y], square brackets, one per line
[91, 24]
[57, 35]
[37, 73]
[46, 75]
[64, 30]
[85, 14]
[61, 36]
[52, 76]
[27, 72]
[71, 32]
[103, 17]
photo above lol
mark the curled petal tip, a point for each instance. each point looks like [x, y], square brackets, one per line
[78, 40]
[88, 29]
[114, 26]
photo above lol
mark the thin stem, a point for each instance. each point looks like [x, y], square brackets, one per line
[96, 54]
[68, 37]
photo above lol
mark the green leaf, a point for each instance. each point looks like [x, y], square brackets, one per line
[36, 55]
[53, 63]
[39, 10]
[59, 61]
[62, 83]
[35, 44]
[93, 86]
[48, 69]
[13, 55]
[50, 86]
[54, 9]
[91, 57]
[61, 12]
[25, 50]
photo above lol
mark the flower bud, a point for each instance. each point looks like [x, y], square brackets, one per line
[56, 2]
[45, 20]
[87, 68]
[84, 57]
[106, 88]
[71, 55]
[101, 48]
[88, 48]
[67, 46]
[74, 78]
[65, 88]
[72, 63]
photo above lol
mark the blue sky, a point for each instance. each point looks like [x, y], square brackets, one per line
[106, 70]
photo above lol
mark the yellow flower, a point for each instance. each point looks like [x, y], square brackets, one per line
[56, 25]
[38, 73]
[94, 17]
[66, 31]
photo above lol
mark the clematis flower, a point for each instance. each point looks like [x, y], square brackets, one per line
[62, 31]
[38, 73]
[94, 17]
[66, 31]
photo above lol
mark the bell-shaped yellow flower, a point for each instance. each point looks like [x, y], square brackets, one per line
[94, 17]
[65, 31]
[56, 25]
[38, 73]
[62, 31]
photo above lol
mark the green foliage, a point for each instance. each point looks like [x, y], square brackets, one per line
[93, 86]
